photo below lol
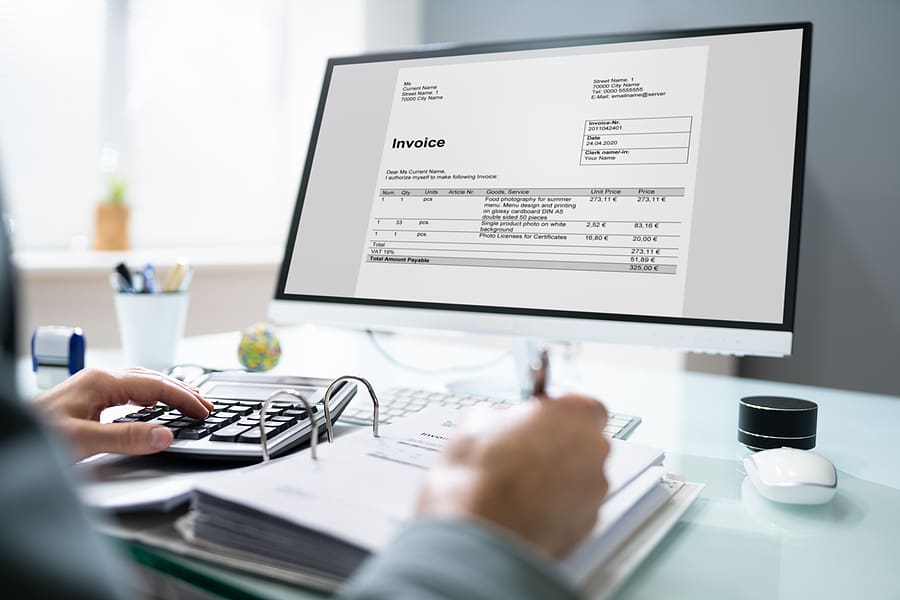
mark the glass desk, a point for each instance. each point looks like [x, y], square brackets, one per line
[731, 543]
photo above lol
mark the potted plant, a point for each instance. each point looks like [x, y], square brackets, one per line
[111, 232]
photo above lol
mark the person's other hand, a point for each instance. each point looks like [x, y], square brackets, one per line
[74, 406]
[535, 471]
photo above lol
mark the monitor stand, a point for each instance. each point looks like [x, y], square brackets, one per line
[526, 354]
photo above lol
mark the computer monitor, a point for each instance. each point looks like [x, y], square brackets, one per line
[640, 189]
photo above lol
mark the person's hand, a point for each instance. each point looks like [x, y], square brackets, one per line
[74, 406]
[535, 471]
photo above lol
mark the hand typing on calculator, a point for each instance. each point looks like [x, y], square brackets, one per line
[74, 406]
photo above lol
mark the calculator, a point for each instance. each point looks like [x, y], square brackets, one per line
[231, 431]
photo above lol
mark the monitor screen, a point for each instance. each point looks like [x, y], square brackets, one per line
[563, 188]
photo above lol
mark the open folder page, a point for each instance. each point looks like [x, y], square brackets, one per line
[327, 516]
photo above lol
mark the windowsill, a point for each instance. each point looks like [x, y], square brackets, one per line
[37, 263]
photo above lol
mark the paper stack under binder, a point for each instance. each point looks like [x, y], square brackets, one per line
[324, 518]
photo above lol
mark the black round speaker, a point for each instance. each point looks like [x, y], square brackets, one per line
[776, 421]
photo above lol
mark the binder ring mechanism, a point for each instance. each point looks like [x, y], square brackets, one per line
[314, 437]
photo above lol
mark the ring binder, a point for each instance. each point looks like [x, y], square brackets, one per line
[365, 382]
[292, 518]
[314, 438]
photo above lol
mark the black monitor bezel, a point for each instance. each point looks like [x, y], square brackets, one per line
[793, 251]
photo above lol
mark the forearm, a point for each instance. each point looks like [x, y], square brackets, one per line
[456, 559]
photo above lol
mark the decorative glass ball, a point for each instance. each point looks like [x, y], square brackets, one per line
[259, 349]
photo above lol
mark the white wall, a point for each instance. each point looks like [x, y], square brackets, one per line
[210, 105]
[222, 100]
[51, 53]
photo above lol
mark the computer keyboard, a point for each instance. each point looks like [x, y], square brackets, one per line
[232, 429]
[399, 402]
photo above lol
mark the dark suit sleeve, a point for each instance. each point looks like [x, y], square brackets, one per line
[47, 546]
[433, 560]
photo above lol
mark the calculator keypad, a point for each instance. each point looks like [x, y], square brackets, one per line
[229, 421]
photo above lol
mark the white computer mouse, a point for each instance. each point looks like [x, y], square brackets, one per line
[792, 476]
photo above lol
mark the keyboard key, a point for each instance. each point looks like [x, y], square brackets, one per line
[229, 433]
[280, 404]
[193, 433]
[128, 419]
[225, 401]
[148, 413]
[298, 414]
[279, 427]
[284, 422]
[252, 435]
[229, 416]
[185, 422]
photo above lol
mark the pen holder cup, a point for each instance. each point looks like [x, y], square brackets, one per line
[150, 327]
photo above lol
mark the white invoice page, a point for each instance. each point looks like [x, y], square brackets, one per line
[560, 182]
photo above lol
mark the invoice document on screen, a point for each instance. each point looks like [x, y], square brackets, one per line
[555, 182]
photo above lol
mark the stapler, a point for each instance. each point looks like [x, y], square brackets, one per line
[56, 353]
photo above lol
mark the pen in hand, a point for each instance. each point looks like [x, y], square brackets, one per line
[540, 369]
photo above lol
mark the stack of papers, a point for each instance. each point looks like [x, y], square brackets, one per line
[325, 517]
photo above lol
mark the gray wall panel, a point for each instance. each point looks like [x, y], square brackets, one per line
[848, 300]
